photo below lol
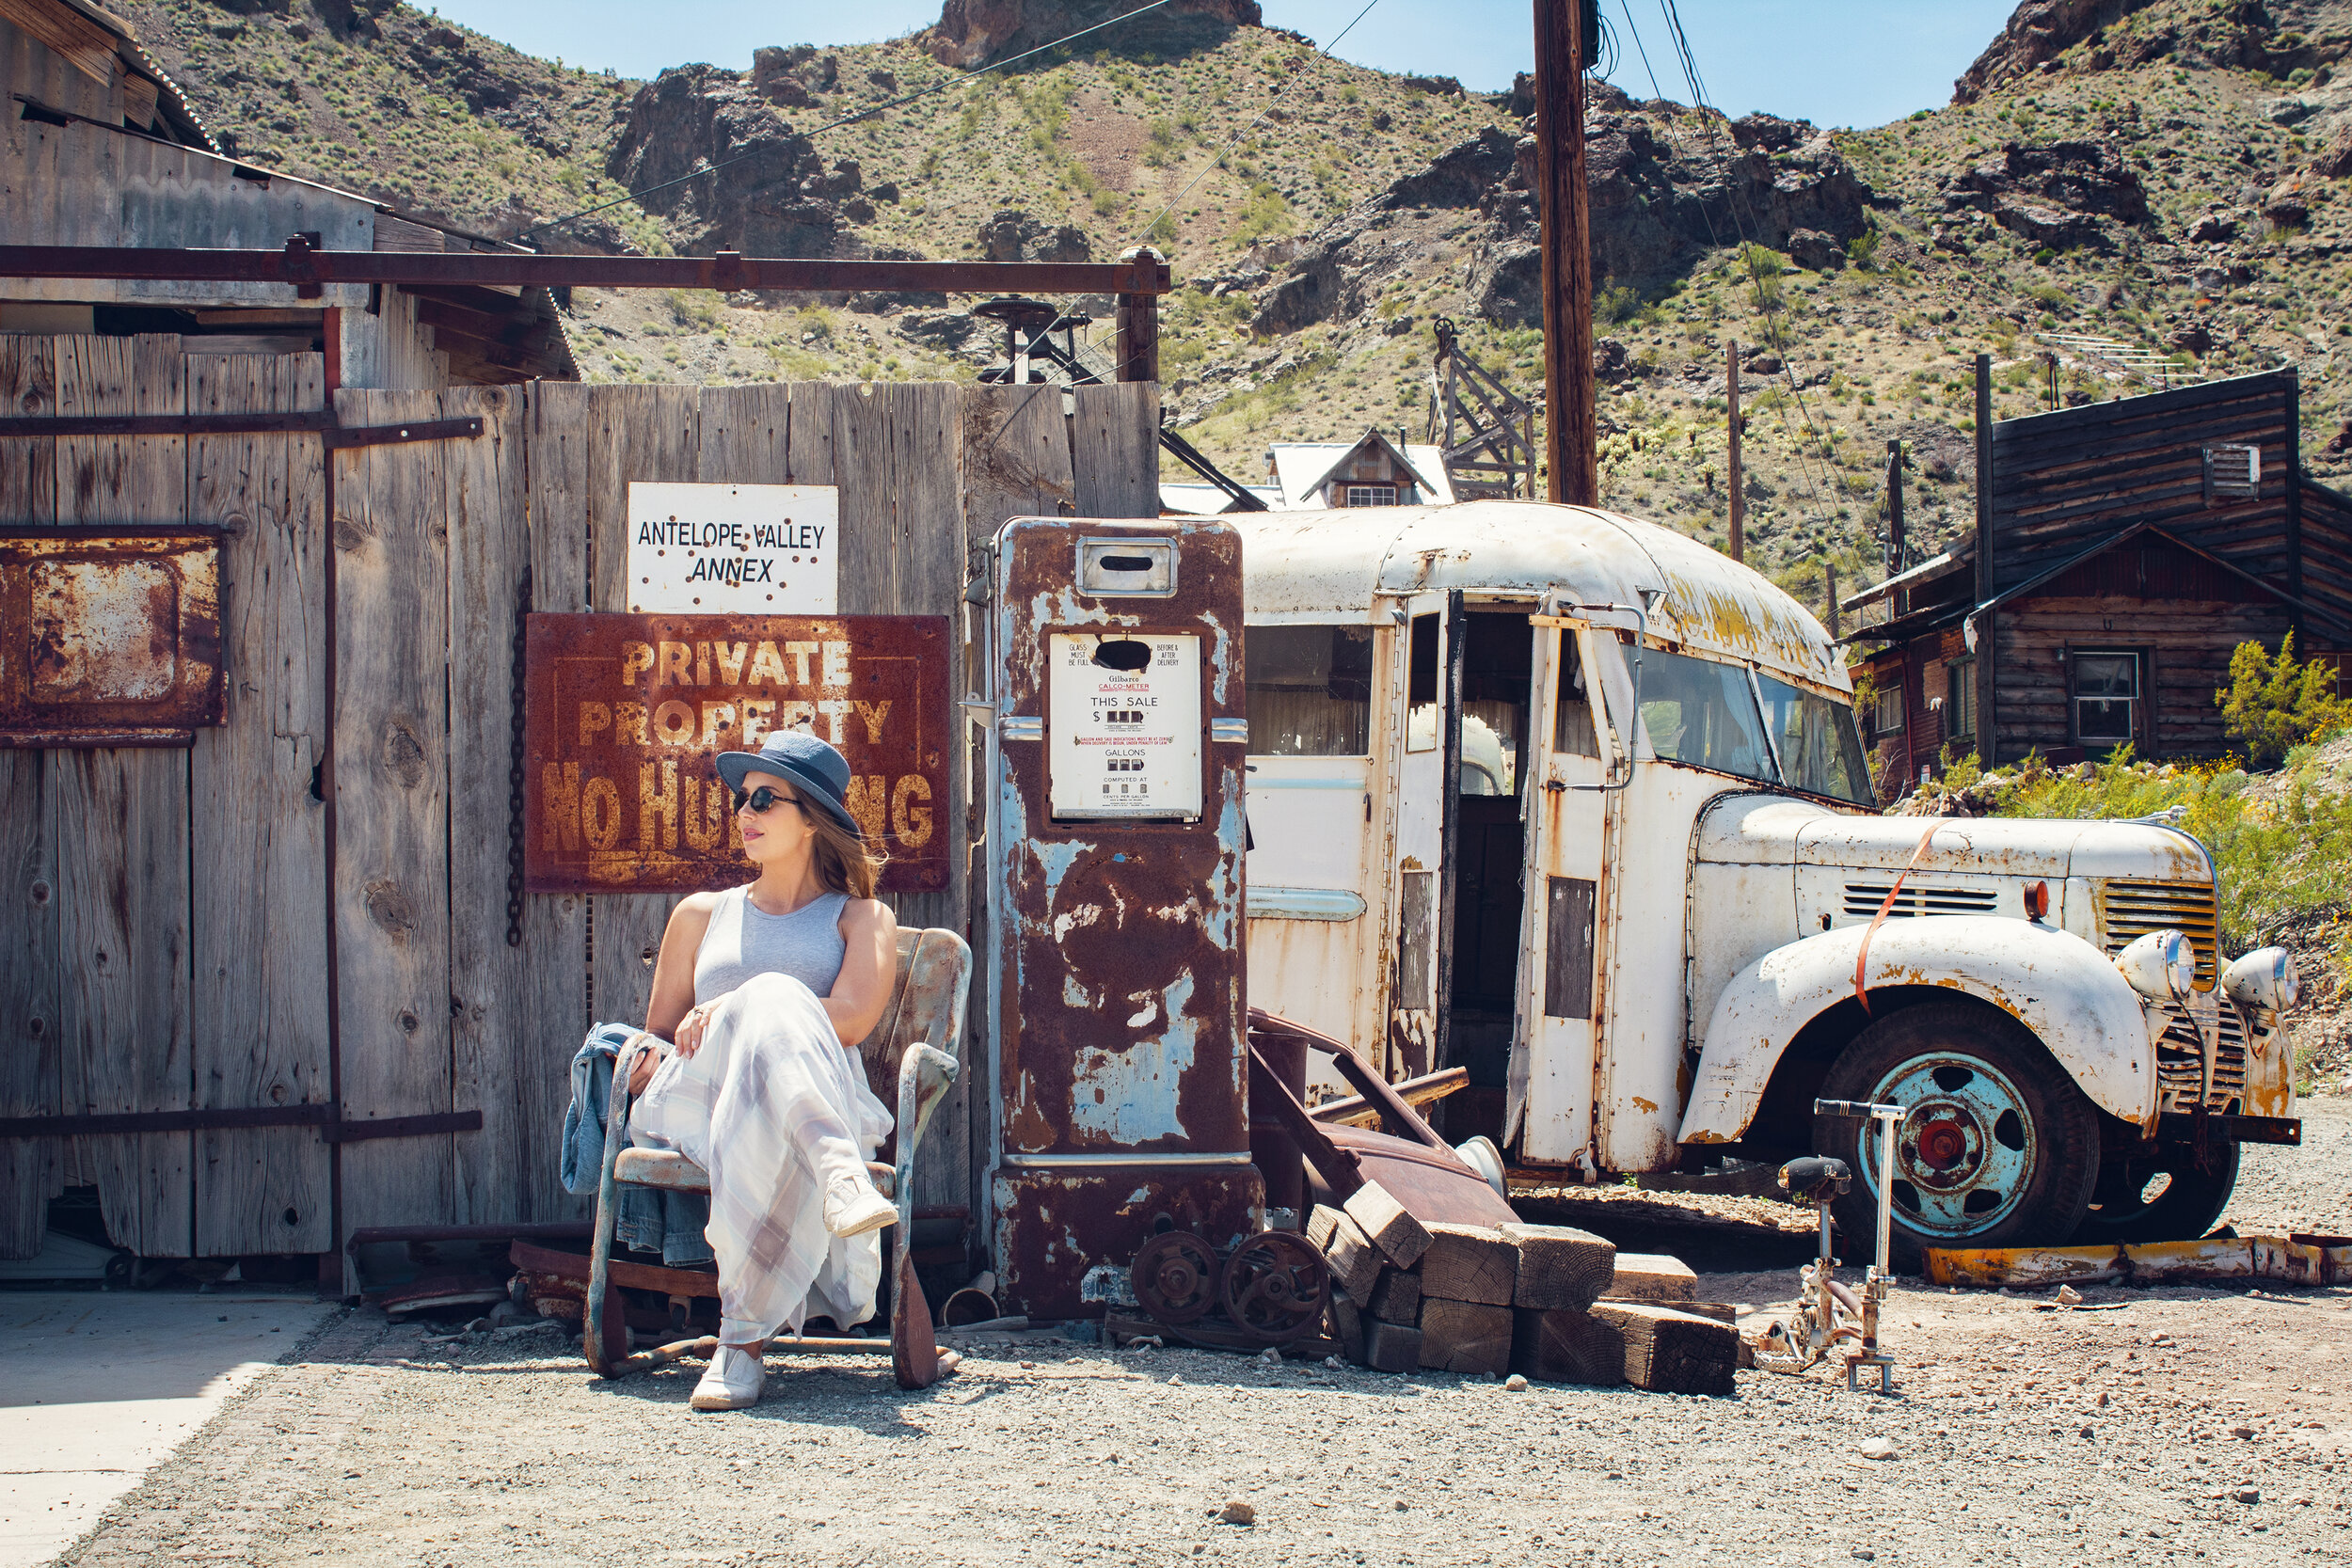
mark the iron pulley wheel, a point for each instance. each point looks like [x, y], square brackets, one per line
[1175, 1277]
[1275, 1287]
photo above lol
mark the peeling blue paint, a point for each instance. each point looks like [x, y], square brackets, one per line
[1140, 1081]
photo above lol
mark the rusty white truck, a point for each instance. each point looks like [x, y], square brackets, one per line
[1576, 803]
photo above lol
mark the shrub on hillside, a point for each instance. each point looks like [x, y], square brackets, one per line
[2272, 705]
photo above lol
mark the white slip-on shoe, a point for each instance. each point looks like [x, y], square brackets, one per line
[733, 1381]
[855, 1206]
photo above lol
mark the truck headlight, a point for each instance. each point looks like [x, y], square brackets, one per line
[2263, 978]
[2160, 966]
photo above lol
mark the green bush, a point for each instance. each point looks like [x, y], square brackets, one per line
[2272, 705]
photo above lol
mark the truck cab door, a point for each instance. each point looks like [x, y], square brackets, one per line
[1549, 1103]
[1417, 715]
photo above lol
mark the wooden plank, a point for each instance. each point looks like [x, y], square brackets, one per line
[1562, 1345]
[507, 1059]
[258, 832]
[1463, 1337]
[864, 471]
[1560, 1266]
[1355, 1261]
[1395, 1297]
[634, 434]
[29, 467]
[32, 1170]
[555, 925]
[392, 773]
[1399, 1237]
[1016, 457]
[1670, 1352]
[1115, 450]
[122, 823]
[926, 434]
[1469, 1263]
[1652, 1277]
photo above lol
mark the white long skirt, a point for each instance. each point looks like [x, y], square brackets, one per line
[773, 1108]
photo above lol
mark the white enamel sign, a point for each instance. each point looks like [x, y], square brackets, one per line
[1123, 730]
[734, 549]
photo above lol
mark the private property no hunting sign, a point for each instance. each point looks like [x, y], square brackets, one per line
[734, 549]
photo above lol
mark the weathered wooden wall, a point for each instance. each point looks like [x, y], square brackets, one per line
[172, 916]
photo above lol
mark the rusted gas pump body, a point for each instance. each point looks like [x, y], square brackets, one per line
[1116, 851]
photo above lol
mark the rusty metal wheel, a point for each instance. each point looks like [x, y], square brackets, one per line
[1275, 1287]
[1175, 1277]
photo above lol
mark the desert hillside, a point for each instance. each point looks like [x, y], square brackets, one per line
[2172, 176]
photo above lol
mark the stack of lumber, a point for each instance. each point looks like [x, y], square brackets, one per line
[1545, 1300]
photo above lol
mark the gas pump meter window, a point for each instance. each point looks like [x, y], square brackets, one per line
[1123, 724]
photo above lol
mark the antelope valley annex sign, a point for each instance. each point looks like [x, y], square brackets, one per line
[624, 714]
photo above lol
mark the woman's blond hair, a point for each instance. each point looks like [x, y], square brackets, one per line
[845, 863]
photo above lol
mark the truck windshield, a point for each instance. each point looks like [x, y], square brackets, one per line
[1819, 749]
[1704, 713]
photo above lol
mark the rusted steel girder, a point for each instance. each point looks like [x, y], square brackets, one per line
[301, 263]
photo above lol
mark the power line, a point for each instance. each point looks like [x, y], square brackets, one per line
[867, 113]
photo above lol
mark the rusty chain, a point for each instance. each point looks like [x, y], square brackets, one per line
[514, 776]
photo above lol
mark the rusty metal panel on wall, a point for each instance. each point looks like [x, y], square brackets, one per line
[107, 637]
[624, 714]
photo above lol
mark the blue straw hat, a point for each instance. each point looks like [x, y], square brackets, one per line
[821, 772]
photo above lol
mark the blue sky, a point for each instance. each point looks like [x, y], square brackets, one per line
[1835, 62]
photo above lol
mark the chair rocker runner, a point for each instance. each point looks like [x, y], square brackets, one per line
[924, 1014]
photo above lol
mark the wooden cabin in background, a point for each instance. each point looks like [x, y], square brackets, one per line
[2134, 545]
[100, 147]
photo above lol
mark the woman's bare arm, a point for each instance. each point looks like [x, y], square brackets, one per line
[869, 965]
[673, 976]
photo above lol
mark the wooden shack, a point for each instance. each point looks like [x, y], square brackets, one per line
[277, 980]
[100, 148]
[2134, 545]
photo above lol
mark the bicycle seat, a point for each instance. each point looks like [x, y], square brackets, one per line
[1816, 1179]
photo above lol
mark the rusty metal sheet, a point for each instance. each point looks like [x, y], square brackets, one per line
[108, 637]
[624, 714]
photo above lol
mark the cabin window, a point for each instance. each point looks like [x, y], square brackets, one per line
[1704, 714]
[2233, 474]
[1421, 692]
[1820, 751]
[2106, 698]
[1371, 495]
[1572, 717]
[1310, 690]
[1960, 698]
[1886, 709]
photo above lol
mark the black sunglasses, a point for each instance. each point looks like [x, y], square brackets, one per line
[762, 800]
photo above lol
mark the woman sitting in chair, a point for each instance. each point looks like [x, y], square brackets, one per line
[765, 993]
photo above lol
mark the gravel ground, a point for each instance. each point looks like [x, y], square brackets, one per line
[2308, 1188]
[2182, 1423]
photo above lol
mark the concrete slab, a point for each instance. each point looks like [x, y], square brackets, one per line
[96, 1389]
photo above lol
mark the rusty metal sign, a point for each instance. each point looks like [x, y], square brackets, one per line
[624, 714]
[109, 637]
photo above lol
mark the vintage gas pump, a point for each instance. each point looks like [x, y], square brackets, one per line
[1115, 887]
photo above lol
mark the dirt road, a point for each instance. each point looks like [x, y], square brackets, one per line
[2189, 1423]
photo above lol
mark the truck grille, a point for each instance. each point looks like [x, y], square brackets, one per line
[1864, 898]
[2181, 1063]
[2131, 910]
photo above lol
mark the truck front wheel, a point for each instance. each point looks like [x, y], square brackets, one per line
[2000, 1147]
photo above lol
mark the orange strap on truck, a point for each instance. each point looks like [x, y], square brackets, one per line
[1862, 959]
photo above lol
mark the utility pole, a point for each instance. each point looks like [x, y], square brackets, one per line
[1731, 403]
[1571, 417]
[1897, 545]
[1830, 569]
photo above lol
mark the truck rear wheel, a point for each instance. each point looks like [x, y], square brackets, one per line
[2166, 1197]
[2000, 1147]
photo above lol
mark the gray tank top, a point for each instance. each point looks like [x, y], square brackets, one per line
[742, 940]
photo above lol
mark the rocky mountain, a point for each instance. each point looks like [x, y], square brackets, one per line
[2162, 175]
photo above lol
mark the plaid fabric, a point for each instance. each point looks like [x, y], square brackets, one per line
[773, 1108]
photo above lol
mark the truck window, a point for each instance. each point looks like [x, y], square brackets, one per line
[1310, 690]
[1572, 717]
[1420, 685]
[1819, 749]
[1704, 714]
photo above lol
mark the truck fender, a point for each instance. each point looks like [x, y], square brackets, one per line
[2061, 986]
